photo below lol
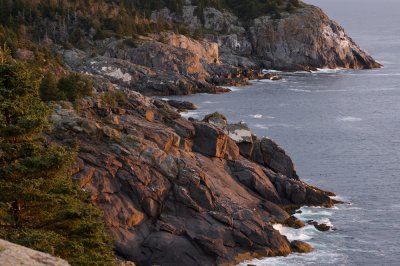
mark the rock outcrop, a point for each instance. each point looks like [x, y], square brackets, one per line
[303, 39]
[176, 192]
[16, 255]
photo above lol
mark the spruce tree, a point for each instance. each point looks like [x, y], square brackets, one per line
[49, 90]
[40, 207]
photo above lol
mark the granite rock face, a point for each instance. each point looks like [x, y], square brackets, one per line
[176, 192]
[16, 255]
[306, 39]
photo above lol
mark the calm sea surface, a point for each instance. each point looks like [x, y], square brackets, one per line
[342, 128]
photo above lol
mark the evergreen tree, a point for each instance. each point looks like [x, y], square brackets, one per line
[49, 90]
[40, 207]
[75, 86]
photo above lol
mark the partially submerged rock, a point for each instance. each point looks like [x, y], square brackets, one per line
[320, 227]
[301, 247]
[294, 222]
[182, 105]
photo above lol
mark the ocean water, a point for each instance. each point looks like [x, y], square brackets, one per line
[342, 128]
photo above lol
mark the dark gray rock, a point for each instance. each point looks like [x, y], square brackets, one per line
[182, 105]
[268, 153]
[209, 140]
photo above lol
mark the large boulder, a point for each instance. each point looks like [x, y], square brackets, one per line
[217, 119]
[209, 140]
[301, 247]
[243, 137]
[253, 177]
[182, 105]
[267, 152]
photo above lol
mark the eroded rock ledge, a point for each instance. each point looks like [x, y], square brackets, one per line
[179, 192]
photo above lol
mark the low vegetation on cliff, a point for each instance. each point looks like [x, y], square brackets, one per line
[40, 207]
[24, 23]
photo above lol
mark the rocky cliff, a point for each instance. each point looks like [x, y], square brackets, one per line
[179, 192]
[302, 39]
[306, 39]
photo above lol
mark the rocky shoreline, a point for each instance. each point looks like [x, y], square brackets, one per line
[180, 192]
[189, 192]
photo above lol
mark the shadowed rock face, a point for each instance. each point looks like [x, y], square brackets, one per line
[176, 192]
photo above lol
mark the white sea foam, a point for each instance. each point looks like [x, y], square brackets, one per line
[339, 198]
[313, 214]
[295, 234]
[209, 102]
[296, 259]
[266, 71]
[300, 90]
[256, 116]
[327, 70]
[309, 234]
[349, 119]
[302, 72]
[193, 114]
[261, 126]
[266, 80]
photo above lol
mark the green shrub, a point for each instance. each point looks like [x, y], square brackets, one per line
[49, 90]
[75, 86]
[114, 98]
